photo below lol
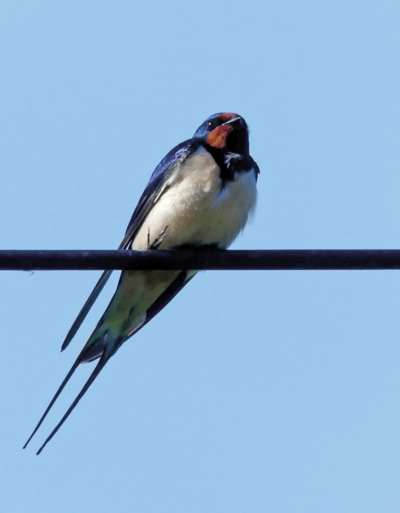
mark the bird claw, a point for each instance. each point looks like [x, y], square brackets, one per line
[157, 241]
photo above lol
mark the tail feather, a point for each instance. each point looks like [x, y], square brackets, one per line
[98, 345]
[103, 360]
[85, 309]
[60, 389]
[113, 329]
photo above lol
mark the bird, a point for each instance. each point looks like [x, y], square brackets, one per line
[200, 196]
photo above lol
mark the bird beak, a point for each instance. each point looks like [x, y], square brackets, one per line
[231, 121]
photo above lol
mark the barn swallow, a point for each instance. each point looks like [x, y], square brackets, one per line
[200, 195]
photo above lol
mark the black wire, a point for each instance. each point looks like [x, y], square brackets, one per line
[348, 259]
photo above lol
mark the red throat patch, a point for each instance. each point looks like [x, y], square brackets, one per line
[217, 138]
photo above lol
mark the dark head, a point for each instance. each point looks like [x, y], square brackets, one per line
[225, 131]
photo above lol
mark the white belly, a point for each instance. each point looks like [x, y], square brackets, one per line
[194, 209]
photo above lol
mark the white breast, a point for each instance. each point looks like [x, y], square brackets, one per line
[194, 209]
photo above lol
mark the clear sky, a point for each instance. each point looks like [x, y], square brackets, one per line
[252, 391]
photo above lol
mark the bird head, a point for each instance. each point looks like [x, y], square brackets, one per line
[225, 131]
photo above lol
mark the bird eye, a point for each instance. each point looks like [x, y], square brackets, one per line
[213, 124]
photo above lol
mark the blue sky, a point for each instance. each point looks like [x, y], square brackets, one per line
[252, 391]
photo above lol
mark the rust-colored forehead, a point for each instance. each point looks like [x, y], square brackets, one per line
[217, 138]
[226, 116]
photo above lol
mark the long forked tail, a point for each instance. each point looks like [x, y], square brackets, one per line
[103, 360]
[60, 389]
[104, 352]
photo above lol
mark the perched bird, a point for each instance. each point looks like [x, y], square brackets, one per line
[200, 195]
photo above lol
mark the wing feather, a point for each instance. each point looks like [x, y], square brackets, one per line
[157, 185]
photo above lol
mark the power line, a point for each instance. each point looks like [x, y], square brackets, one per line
[258, 260]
